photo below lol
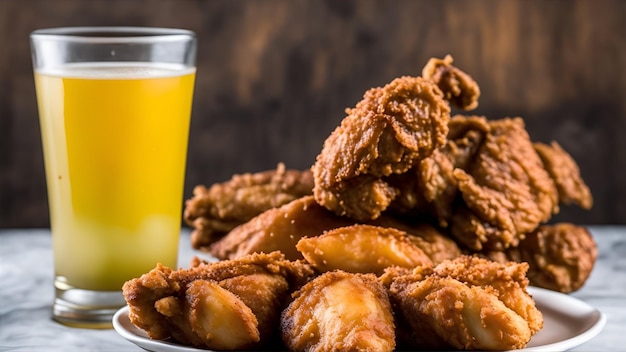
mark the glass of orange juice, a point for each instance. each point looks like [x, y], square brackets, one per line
[114, 110]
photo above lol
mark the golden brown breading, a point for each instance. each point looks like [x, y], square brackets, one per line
[561, 256]
[216, 210]
[437, 245]
[278, 229]
[444, 312]
[339, 311]
[457, 305]
[388, 132]
[566, 175]
[142, 293]
[508, 279]
[430, 187]
[211, 316]
[194, 306]
[506, 191]
[457, 86]
[361, 249]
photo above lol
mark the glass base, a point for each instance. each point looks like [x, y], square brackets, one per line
[85, 308]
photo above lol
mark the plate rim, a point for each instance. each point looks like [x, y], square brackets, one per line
[545, 295]
[595, 327]
[144, 341]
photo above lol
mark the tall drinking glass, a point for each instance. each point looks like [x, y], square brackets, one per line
[114, 109]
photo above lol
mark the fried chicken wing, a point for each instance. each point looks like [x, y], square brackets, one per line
[231, 304]
[361, 249]
[215, 211]
[448, 313]
[388, 132]
[508, 279]
[456, 305]
[457, 86]
[219, 317]
[142, 293]
[560, 256]
[506, 190]
[430, 187]
[339, 311]
[437, 245]
[566, 175]
[278, 229]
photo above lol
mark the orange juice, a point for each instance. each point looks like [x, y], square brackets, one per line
[116, 172]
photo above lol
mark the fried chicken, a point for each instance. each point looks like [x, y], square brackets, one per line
[437, 245]
[506, 190]
[457, 86]
[232, 304]
[278, 229]
[457, 305]
[214, 211]
[430, 187]
[508, 279]
[361, 249]
[566, 175]
[560, 256]
[339, 311]
[388, 132]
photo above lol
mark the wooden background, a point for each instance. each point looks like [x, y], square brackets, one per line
[274, 77]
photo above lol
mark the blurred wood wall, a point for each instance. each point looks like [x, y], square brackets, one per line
[275, 76]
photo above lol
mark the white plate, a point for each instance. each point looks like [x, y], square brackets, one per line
[567, 323]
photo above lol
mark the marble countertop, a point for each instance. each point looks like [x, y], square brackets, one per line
[26, 293]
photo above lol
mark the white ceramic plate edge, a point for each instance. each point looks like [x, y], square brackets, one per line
[551, 303]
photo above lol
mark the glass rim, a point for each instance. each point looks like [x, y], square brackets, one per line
[113, 34]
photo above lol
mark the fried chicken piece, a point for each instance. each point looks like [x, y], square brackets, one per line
[508, 279]
[434, 243]
[142, 293]
[388, 132]
[456, 305]
[566, 175]
[193, 305]
[506, 190]
[560, 256]
[361, 249]
[218, 317]
[214, 211]
[339, 311]
[457, 86]
[278, 229]
[444, 312]
[430, 187]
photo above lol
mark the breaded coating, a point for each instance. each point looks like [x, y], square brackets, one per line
[444, 313]
[437, 245]
[457, 86]
[387, 133]
[430, 187]
[506, 191]
[214, 211]
[278, 229]
[508, 279]
[566, 175]
[455, 305]
[215, 316]
[339, 311]
[142, 293]
[229, 305]
[561, 256]
[361, 249]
